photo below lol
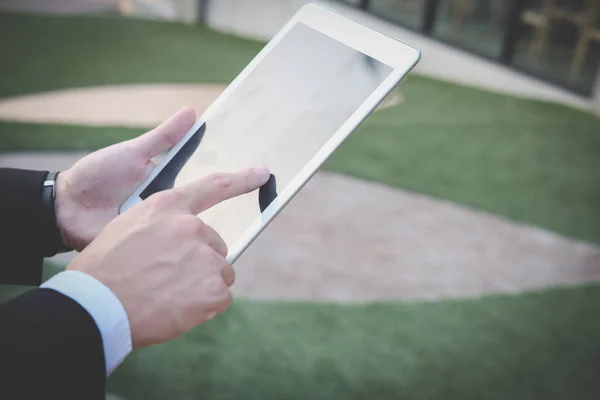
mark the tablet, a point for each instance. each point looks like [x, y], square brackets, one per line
[288, 110]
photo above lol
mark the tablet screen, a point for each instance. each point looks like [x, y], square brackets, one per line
[279, 116]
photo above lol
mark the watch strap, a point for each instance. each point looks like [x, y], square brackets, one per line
[54, 242]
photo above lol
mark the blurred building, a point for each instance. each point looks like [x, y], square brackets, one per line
[556, 40]
[546, 49]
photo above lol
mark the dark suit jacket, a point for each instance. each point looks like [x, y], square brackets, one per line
[50, 347]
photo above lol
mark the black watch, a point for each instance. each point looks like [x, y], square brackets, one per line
[55, 243]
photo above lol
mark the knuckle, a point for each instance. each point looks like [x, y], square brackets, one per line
[163, 199]
[227, 300]
[222, 182]
[216, 241]
[216, 287]
[229, 275]
[206, 254]
[222, 248]
[156, 199]
[191, 225]
[183, 321]
[223, 302]
[175, 195]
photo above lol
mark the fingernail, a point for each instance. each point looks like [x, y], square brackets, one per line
[262, 172]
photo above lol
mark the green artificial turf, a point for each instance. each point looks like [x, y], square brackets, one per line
[42, 53]
[16, 136]
[540, 345]
[534, 346]
[530, 161]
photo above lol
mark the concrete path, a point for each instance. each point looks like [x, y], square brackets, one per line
[119, 105]
[347, 240]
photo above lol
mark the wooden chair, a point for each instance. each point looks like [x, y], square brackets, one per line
[541, 21]
[588, 31]
[584, 19]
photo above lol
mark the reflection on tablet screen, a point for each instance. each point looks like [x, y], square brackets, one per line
[280, 116]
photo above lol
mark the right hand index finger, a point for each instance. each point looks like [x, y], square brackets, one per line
[206, 192]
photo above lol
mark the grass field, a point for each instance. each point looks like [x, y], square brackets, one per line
[15, 136]
[530, 161]
[541, 345]
[41, 53]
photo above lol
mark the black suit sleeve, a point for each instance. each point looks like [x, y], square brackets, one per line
[50, 348]
[25, 229]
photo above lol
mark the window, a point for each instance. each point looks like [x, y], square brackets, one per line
[405, 12]
[560, 41]
[475, 24]
[556, 40]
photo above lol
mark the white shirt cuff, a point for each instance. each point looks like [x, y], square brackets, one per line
[104, 307]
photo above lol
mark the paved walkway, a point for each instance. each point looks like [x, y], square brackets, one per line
[343, 239]
[119, 105]
[111, 105]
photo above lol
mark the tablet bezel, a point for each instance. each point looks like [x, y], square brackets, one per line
[400, 56]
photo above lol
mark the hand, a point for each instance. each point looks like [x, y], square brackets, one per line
[164, 264]
[89, 194]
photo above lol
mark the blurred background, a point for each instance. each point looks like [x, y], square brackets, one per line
[449, 249]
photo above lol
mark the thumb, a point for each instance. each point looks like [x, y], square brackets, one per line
[166, 135]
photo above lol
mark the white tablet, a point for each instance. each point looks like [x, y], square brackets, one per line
[289, 109]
